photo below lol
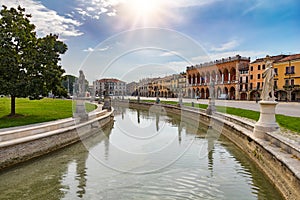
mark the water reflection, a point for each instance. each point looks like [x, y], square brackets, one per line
[211, 168]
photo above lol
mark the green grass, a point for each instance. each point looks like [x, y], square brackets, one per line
[288, 122]
[36, 111]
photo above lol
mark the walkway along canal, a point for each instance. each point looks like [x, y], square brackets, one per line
[148, 152]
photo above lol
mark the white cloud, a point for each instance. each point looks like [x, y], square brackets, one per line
[100, 49]
[46, 20]
[226, 46]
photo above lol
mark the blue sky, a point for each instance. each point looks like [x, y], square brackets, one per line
[133, 39]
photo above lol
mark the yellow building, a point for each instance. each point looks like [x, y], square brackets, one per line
[287, 80]
[256, 69]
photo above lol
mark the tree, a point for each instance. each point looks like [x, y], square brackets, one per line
[29, 66]
[68, 83]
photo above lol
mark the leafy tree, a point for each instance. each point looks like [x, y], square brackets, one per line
[68, 83]
[29, 66]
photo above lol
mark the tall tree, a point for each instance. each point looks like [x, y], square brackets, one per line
[29, 66]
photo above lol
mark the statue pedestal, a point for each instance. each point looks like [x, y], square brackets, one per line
[107, 103]
[267, 120]
[80, 111]
[211, 106]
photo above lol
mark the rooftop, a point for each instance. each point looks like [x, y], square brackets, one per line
[273, 58]
[289, 58]
[223, 60]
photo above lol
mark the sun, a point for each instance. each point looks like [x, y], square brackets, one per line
[144, 12]
[144, 7]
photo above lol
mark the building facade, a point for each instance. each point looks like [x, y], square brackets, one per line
[256, 70]
[223, 75]
[287, 79]
[109, 86]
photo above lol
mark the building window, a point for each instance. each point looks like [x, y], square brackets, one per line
[251, 77]
[287, 70]
[263, 66]
[251, 68]
[292, 82]
[246, 79]
[275, 83]
[258, 67]
[241, 79]
[258, 76]
[276, 71]
[292, 70]
[246, 87]
[286, 82]
[251, 86]
[258, 85]
[241, 87]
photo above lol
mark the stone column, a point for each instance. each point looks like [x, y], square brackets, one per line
[222, 78]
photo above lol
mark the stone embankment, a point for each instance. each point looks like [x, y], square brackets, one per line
[276, 155]
[20, 144]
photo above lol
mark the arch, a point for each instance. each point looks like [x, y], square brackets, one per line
[206, 93]
[202, 77]
[226, 74]
[233, 74]
[193, 93]
[193, 79]
[232, 93]
[225, 90]
[254, 95]
[202, 93]
[295, 95]
[243, 96]
[198, 78]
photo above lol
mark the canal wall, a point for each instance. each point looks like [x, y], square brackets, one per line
[27, 142]
[277, 156]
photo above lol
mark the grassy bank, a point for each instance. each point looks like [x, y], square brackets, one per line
[35, 111]
[288, 122]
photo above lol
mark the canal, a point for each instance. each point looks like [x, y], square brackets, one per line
[144, 154]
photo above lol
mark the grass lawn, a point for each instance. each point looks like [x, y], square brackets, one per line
[36, 111]
[288, 122]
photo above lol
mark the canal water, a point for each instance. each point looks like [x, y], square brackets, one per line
[144, 154]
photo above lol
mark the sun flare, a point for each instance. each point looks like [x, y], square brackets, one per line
[145, 7]
[144, 12]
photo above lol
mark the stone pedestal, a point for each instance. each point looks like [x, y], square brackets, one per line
[80, 111]
[211, 106]
[267, 121]
[107, 103]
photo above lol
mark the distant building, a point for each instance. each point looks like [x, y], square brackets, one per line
[224, 74]
[131, 89]
[109, 86]
[287, 81]
[256, 70]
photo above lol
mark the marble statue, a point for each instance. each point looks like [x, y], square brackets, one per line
[81, 84]
[268, 88]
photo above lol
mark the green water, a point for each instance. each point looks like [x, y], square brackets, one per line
[144, 154]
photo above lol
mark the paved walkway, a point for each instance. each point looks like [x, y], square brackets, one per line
[284, 108]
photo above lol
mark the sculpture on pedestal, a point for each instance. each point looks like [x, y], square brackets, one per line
[267, 121]
[80, 99]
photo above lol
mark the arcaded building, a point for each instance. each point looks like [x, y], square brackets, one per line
[224, 75]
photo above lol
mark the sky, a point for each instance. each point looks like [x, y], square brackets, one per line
[135, 39]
